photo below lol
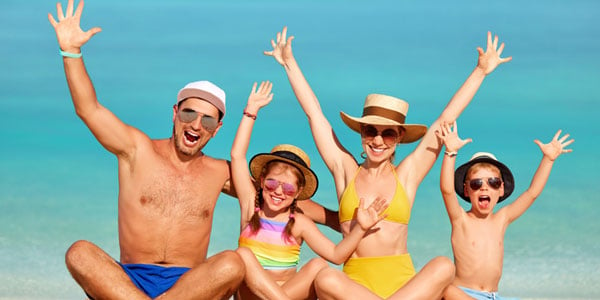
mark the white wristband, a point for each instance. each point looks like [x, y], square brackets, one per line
[451, 153]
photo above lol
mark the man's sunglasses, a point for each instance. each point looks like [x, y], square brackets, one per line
[287, 188]
[389, 136]
[187, 115]
[477, 183]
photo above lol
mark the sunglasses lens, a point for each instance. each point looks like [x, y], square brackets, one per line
[494, 182]
[288, 189]
[475, 184]
[271, 184]
[390, 136]
[187, 115]
[369, 131]
[209, 123]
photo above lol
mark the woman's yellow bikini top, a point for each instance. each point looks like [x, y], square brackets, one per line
[398, 211]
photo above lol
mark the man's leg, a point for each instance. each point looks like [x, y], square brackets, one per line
[217, 278]
[98, 273]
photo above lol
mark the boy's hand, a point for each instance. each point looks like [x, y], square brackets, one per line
[367, 217]
[68, 32]
[282, 49]
[556, 147]
[259, 98]
[490, 59]
[449, 136]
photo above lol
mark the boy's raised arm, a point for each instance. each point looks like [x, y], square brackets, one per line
[551, 151]
[448, 134]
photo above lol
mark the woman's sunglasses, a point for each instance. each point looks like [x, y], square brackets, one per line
[493, 182]
[389, 136]
[187, 115]
[287, 188]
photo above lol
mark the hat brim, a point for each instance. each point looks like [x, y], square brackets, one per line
[412, 132]
[461, 173]
[204, 95]
[258, 162]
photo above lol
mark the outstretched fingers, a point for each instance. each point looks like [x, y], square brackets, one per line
[69, 8]
[52, 20]
[90, 33]
[265, 87]
[379, 205]
[59, 11]
[79, 10]
[495, 43]
[564, 143]
[557, 146]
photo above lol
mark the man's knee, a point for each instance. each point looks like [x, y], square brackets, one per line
[78, 254]
[231, 265]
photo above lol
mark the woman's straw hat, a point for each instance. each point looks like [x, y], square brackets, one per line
[386, 110]
[292, 155]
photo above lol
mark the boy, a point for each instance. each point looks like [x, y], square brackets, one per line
[478, 234]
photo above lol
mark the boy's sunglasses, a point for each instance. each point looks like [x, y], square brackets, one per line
[187, 115]
[493, 182]
[287, 188]
[389, 136]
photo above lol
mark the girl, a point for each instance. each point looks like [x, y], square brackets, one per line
[273, 228]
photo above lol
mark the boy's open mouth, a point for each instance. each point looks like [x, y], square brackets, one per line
[484, 201]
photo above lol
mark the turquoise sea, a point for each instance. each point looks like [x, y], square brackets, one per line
[58, 185]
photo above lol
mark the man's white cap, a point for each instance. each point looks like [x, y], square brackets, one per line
[204, 90]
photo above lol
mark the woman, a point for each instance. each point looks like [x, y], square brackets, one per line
[381, 265]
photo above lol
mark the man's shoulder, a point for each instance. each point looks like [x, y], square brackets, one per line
[216, 161]
[215, 164]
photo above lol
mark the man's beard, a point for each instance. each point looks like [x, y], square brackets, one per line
[182, 148]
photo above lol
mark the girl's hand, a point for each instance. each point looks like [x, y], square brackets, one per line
[259, 98]
[367, 217]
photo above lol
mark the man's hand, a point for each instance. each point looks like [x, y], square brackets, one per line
[68, 32]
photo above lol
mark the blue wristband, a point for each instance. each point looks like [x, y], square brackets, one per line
[69, 54]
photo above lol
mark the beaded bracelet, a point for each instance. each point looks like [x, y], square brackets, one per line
[249, 115]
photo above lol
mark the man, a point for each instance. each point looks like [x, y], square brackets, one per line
[168, 189]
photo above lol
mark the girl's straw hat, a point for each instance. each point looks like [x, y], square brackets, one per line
[292, 155]
[386, 110]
